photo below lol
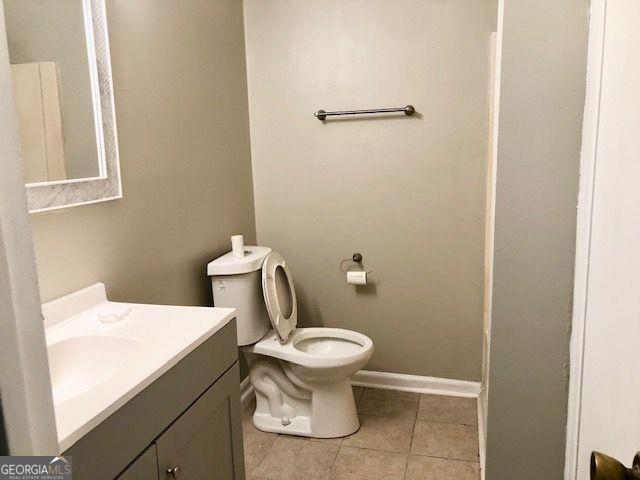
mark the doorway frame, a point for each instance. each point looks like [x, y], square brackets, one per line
[25, 384]
[588, 164]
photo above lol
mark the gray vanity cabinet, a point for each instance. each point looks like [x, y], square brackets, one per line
[187, 424]
[205, 443]
[145, 467]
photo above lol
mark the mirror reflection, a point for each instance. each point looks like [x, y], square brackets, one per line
[55, 87]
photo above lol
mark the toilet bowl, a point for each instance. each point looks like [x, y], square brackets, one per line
[303, 387]
[301, 376]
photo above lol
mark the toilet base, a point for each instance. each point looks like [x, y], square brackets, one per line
[288, 404]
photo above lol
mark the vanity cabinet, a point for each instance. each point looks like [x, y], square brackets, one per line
[187, 424]
[145, 467]
[201, 444]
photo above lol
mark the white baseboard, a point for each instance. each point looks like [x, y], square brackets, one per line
[400, 382]
[246, 390]
[416, 383]
[482, 444]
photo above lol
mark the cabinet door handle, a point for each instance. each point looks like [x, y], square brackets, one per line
[174, 471]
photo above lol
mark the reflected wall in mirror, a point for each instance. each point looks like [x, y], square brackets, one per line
[63, 97]
[52, 88]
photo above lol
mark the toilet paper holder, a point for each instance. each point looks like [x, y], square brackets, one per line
[357, 259]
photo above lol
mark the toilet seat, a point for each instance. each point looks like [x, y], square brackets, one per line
[282, 324]
[308, 347]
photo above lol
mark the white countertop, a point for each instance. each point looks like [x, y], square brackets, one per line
[143, 345]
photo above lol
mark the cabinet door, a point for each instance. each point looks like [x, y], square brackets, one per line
[205, 443]
[145, 467]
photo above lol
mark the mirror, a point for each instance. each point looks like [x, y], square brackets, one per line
[63, 97]
[52, 89]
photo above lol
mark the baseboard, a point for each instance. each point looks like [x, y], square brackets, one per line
[416, 383]
[482, 445]
[398, 381]
[246, 390]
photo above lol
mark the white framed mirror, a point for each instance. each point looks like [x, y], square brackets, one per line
[63, 95]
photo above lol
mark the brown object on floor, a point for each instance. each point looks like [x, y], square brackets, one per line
[603, 467]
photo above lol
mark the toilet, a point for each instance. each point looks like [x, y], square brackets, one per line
[301, 376]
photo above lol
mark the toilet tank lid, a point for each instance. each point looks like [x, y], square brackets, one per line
[227, 264]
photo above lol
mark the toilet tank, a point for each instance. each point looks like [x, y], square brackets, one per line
[237, 283]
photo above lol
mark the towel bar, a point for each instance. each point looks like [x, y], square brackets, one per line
[408, 110]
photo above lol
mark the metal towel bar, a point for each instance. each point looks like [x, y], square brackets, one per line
[408, 110]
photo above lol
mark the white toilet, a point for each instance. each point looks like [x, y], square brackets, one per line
[301, 376]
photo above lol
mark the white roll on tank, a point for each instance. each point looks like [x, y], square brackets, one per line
[237, 283]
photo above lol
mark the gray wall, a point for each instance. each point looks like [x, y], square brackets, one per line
[541, 106]
[180, 89]
[408, 193]
[51, 30]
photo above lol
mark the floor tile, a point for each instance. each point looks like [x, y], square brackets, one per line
[329, 441]
[256, 443]
[296, 459]
[388, 403]
[391, 434]
[443, 444]
[256, 446]
[446, 440]
[437, 408]
[359, 464]
[427, 468]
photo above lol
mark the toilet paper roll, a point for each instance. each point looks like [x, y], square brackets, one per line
[237, 246]
[357, 277]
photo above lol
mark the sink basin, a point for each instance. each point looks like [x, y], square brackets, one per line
[79, 364]
[102, 353]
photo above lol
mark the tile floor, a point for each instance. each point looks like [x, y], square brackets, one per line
[402, 436]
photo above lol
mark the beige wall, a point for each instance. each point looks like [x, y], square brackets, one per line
[408, 193]
[543, 77]
[180, 90]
